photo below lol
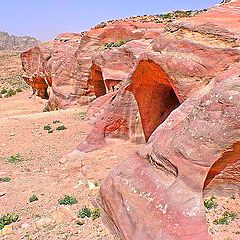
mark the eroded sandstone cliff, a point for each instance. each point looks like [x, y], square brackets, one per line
[174, 85]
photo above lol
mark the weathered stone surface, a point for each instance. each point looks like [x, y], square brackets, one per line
[7, 230]
[188, 55]
[44, 222]
[63, 214]
[157, 192]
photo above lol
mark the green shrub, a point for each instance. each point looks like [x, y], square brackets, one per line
[82, 115]
[67, 200]
[87, 212]
[60, 128]
[7, 219]
[115, 44]
[79, 223]
[56, 121]
[33, 198]
[18, 90]
[226, 218]
[95, 213]
[15, 158]
[47, 127]
[5, 179]
[46, 108]
[4, 91]
[10, 93]
[84, 212]
[210, 203]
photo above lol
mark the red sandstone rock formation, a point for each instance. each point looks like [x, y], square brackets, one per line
[179, 91]
[71, 62]
[157, 192]
[184, 58]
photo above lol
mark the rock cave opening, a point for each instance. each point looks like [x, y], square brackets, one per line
[226, 169]
[112, 85]
[96, 80]
[154, 93]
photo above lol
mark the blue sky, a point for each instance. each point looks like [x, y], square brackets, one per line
[44, 19]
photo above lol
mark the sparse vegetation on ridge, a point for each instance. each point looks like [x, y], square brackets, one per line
[157, 18]
[115, 44]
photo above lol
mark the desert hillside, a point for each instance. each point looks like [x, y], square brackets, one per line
[16, 43]
[10, 62]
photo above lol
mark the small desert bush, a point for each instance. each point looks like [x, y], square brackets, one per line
[46, 108]
[56, 121]
[5, 179]
[84, 212]
[82, 115]
[210, 203]
[60, 128]
[15, 158]
[87, 212]
[7, 219]
[115, 44]
[48, 128]
[33, 198]
[67, 200]
[4, 91]
[18, 90]
[226, 218]
[10, 93]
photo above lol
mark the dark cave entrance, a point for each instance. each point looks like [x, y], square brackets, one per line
[154, 93]
[224, 168]
[96, 80]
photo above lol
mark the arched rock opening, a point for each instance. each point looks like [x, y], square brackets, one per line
[39, 86]
[112, 84]
[226, 169]
[154, 93]
[96, 80]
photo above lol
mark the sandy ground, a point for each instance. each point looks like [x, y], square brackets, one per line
[42, 172]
